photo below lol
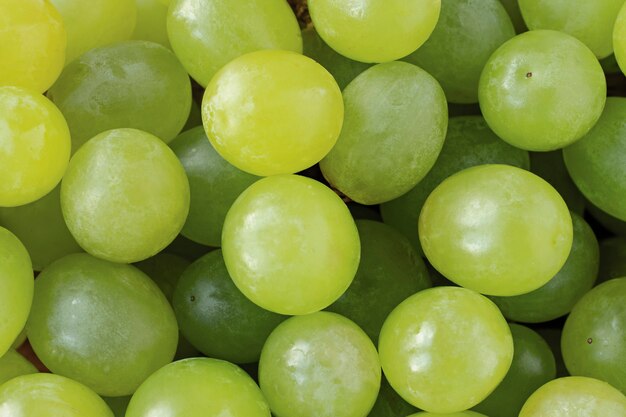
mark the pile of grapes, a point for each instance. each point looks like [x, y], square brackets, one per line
[332, 208]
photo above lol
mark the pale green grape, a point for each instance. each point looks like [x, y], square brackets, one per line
[41, 228]
[198, 387]
[135, 84]
[94, 23]
[272, 112]
[16, 281]
[13, 364]
[32, 44]
[575, 396]
[526, 94]
[469, 142]
[497, 229]
[35, 146]
[597, 162]
[467, 33]
[290, 244]
[374, 30]
[319, 365]
[619, 38]
[445, 349]
[214, 185]
[612, 259]
[151, 22]
[551, 167]
[207, 34]
[47, 395]
[125, 195]
[589, 21]
[512, 8]
[105, 325]
[406, 123]
[594, 335]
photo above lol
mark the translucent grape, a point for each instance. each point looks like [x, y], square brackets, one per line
[497, 229]
[467, 33]
[290, 244]
[151, 22]
[374, 30]
[133, 84]
[445, 349]
[612, 259]
[12, 364]
[105, 325]
[525, 91]
[33, 43]
[35, 146]
[125, 196]
[207, 34]
[319, 365]
[407, 123]
[284, 135]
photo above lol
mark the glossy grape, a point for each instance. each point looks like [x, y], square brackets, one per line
[497, 229]
[406, 123]
[467, 33]
[612, 259]
[151, 22]
[198, 387]
[133, 84]
[207, 34]
[557, 297]
[105, 325]
[594, 335]
[597, 162]
[214, 186]
[290, 244]
[319, 365]
[374, 31]
[445, 349]
[125, 196]
[12, 364]
[525, 90]
[35, 146]
[33, 43]
[469, 142]
[284, 135]
[551, 167]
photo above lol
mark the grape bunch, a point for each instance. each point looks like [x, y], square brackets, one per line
[312, 208]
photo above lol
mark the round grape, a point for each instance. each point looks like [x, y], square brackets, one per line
[151, 22]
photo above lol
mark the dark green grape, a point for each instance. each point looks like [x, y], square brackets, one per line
[165, 270]
[612, 259]
[611, 223]
[118, 405]
[551, 167]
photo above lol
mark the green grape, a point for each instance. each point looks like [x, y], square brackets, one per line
[610, 65]
[216, 317]
[390, 271]
[373, 30]
[290, 244]
[607, 221]
[526, 95]
[319, 365]
[117, 404]
[207, 34]
[466, 413]
[198, 387]
[105, 325]
[12, 364]
[612, 259]
[151, 22]
[41, 228]
[533, 365]
[95, 23]
[512, 8]
[597, 162]
[214, 185]
[33, 42]
[594, 335]
[406, 123]
[389, 403]
[507, 231]
[551, 167]
[445, 349]
[557, 297]
[343, 69]
[590, 22]
[619, 38]
[467, 33]
[165, 269]
[469, 142]
[20, 339]
[135, 84]
[47, 395]
[125, 196]
[285, 134]
[16, 281]
[35, 146]
[575, 396]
